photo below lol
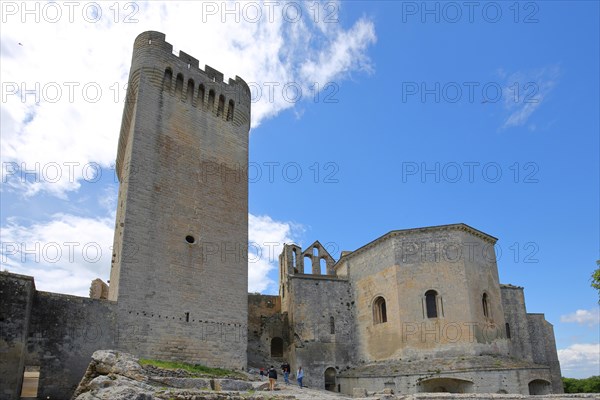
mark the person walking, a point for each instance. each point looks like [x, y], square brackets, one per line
[285, 367]
[299, 376]
[272, 378]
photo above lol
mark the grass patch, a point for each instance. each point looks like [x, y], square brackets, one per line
[194, 369]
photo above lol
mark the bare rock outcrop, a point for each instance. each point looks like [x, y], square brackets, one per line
[114, 375]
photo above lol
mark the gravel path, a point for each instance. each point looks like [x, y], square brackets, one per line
[308, 394]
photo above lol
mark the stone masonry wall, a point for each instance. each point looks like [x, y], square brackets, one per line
[265, 323]
[16, 299]
[55, 332]
[477, 381]
[541, 334]
[64, 332]
[515, 314]
[320, 342]
[402, 267]
[179, 273]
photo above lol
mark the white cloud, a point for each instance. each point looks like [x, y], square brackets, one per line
[66, 253]
[267, 237]
[583, 317]
[78, 71]
[525, 92]
[580, 360]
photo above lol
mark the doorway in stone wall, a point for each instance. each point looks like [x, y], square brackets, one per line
[277, 347]
[31, 379]
[330, 384]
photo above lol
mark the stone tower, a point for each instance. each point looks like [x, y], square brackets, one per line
[179, 271]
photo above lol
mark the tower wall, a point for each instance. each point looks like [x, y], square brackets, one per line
[179, 269]
[515, 314]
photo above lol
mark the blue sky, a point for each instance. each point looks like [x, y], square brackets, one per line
[411, 114]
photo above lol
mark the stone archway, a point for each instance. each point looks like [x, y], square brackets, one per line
[448, 385]
[277, 347]
[539, 386]
[330, 382]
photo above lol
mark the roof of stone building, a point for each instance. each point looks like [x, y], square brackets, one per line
[439, 365]
[401, 232]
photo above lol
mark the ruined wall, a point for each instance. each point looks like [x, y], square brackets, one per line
[179, 269]
[98, 289]
[16, 299]
[515, 314]
[321, 318]
[265, 324]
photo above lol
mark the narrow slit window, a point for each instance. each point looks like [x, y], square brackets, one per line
[179, 85]
[230, 111]
[221, 108]
[200, 101]
[167, 78]
[431, 303]
[211, 100]
[190, 90]
[484, 304]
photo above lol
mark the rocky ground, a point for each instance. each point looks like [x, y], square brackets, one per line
[115, 375]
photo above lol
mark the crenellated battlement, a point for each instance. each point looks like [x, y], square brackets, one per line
[156, 40]
[179, 81]
[178, 123]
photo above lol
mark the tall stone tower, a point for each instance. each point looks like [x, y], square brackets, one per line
[179, 272]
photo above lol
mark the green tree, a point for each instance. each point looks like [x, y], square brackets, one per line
[587, 385]
[596, 279]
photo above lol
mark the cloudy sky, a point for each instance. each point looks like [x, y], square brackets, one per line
[366, 117]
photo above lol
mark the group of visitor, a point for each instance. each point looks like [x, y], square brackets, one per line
[271, 373]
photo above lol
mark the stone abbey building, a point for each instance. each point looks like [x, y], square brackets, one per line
[392, 314]
[416, 310]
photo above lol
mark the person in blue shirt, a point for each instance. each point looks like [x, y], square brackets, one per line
[299, 376]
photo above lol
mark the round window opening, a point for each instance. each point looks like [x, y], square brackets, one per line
[190, 239]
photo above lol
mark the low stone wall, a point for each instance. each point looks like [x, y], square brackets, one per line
[489, 396]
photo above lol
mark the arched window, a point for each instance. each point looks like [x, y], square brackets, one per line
[200, 101]
[379, 311]
[331, 325]
[323, 266]
[277, 347]
[431, 303]
[507, 326]
[167, 79]
[179, 85]
[190, 90]
[211, 100]
[484, 303]
[307, 262]
[230, 111]
[221, 108]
